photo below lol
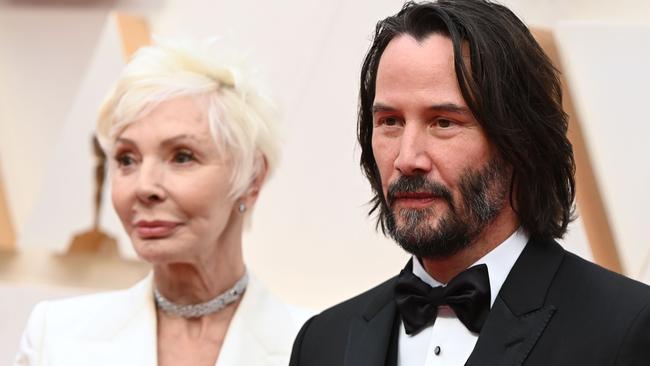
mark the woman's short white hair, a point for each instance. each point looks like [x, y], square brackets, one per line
[241, 117]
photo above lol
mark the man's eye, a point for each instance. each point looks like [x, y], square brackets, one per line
[183, 157]
[389, 121]
[444, 123]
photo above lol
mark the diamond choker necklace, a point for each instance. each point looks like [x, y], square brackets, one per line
[204, 308]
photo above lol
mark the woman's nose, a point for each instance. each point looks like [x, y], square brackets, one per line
[150, 188]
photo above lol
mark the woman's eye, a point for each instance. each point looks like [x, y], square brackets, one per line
[124, 160]
[183, 157]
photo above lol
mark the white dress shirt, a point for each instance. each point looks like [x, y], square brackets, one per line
[447, 342]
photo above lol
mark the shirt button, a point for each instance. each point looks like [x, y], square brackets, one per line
[436, 350]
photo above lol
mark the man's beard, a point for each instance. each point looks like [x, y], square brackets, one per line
[483, 196]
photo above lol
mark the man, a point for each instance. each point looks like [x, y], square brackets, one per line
[464, 143]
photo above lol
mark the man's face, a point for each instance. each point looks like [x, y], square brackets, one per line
[442, 181]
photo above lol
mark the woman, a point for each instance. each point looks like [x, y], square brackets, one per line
[191, 143]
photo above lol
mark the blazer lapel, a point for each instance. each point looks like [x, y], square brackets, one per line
[136, 329]
[519, 314]
[261, 331]
[506, 339]
[370, 334]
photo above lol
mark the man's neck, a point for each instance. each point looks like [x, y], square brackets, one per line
[444, 269]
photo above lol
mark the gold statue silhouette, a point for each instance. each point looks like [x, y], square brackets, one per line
[94, 240]
[7, 236]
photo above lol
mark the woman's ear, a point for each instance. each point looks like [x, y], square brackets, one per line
[253, 191]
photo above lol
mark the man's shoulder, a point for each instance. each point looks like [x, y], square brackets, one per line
[590, 277]
[564, 277]
[597, 310]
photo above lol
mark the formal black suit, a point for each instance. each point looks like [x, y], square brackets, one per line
[553, 309]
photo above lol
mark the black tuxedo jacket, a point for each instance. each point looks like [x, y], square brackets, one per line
[553, 309]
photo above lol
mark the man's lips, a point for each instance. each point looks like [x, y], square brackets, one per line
[155, 229]
[413, 199]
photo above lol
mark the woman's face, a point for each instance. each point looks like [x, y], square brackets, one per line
[170, 185]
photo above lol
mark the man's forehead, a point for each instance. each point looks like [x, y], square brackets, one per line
[418, 72]
[465, 46]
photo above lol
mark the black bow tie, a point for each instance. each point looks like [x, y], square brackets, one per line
[468, 294]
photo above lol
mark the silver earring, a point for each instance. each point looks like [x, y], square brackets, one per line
[242, 208]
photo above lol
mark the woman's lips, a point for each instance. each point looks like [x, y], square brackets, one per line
[155, 229]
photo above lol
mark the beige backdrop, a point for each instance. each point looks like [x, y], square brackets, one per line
[311, 241]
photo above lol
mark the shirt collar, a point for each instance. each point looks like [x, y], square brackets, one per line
[499, 262]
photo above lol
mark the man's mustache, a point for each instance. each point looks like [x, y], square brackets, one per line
[418, 184]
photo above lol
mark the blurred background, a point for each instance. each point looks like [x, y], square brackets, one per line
[311, 240]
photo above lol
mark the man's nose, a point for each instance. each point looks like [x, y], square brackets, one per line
[150, 188]
[413, 157]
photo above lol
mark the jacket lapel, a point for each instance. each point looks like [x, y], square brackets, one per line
[136, 327]
[261, 331]
[370, 333]
[519, 314]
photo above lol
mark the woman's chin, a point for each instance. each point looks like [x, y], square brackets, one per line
[158, 251]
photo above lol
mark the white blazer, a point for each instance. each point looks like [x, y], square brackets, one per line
[119, 328]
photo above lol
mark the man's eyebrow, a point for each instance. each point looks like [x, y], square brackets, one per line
[451, 107]
[447, 107]
[378, 107]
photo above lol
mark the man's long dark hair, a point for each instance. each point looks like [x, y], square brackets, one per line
[513, 91]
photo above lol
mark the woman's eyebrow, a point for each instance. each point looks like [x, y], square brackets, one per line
[175, 139]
